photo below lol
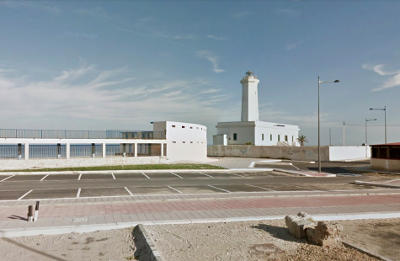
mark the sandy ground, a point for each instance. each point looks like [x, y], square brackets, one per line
[100, 245]
[269, 240]
[380, 236]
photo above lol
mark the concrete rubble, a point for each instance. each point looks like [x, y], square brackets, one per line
[319, 233]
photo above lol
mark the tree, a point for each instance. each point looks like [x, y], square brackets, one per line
[302, 139]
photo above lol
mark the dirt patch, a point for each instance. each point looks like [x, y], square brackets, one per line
[268, 240]
[100, 245]
[379, 236]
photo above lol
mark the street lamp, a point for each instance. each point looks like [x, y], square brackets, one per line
[366, 129]
[381, 109]
[319, 129]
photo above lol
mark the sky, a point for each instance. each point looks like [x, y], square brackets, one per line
[123, 64]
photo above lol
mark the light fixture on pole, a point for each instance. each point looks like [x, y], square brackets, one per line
[319, 129]
[381, 109]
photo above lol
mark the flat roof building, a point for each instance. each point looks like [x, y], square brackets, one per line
[386, 156]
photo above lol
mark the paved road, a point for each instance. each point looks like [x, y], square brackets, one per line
[40, 186]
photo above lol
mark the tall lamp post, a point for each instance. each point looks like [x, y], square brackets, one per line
[381, 109]
[319, 125]
[366, 130]
[366, 136]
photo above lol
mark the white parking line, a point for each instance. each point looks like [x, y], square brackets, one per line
[7, 178]
[144, 174]
[21, 197]
[44, 177]
[175, 174]
[112, 174]
[129, 192]
[224, 190]
[177, 190]
[208, 175]
[237, 175]
[80, 176]
[257, 187]
[78, 193]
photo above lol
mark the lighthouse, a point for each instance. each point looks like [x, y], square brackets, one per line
[250, 97]
[250, 130]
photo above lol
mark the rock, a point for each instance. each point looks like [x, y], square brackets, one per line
[298, 224]
[324, 234]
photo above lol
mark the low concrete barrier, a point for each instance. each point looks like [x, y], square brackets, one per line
[309, 153]
[306, 153]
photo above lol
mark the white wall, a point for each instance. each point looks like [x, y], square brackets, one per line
[337, 153]
[185, 141]
[249, 98]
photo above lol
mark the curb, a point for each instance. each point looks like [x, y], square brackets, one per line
[132, 171]
[56, 230]
[365, 251]
[145, 247]
[358, 182]
[300, 173]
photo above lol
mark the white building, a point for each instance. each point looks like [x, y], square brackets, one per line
[250, 130]
[185, 141]
[169, 140]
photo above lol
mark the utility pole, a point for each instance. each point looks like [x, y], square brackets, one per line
[344, 134]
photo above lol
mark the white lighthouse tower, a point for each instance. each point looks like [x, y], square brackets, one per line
[250, 130]
[250, 97]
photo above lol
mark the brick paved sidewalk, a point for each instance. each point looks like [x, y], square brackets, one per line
[126, 210]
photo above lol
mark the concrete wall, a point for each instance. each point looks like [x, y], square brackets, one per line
[385, 164]
[337, 153]
[279, 152]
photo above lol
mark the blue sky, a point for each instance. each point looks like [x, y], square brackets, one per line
[122, 64]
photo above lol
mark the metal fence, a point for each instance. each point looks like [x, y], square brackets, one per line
[78, 134]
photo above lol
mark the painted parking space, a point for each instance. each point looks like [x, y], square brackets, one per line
[137, 176]
[96, 176]
[197, 189]
[98, 192]
[62, 177]
[194, 175]
[51, 193]
[240, 188]
[161, 175]
[26, 177]
[224, 175]
[152, 190]
[11, 195]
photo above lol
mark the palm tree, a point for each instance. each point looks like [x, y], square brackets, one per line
[302, 139]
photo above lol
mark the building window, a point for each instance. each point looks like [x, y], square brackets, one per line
[173, 126]
[234, 136]
[270, 137]
[262, 136]
[183, 127]
[286, 139]
[183, 141]
[279, 137]
[191, 141]
[191, 127]
[292, 139]
[173, 141]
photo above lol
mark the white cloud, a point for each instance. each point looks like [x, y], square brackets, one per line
[212, 59]
[41, 5]
[99, 98]
[215, 37]
[393, 81]
[292, 46]
[241, 14]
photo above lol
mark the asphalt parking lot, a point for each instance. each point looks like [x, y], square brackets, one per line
[82, 185]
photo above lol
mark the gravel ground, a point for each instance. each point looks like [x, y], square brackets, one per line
[100, 245]
[263, 240]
